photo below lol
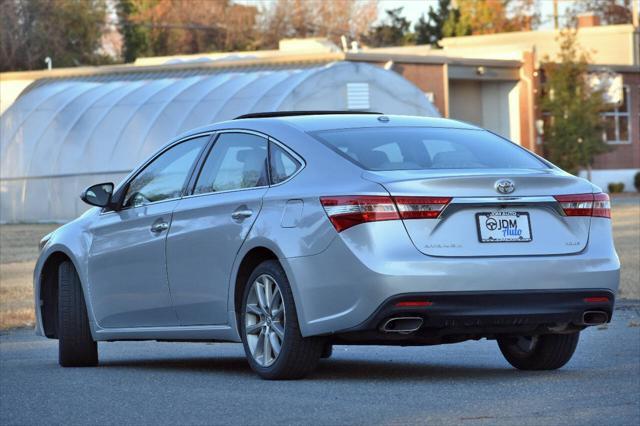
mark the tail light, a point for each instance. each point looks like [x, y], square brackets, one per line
[601, 205]
[421, 207]
[596, 205]
[347, 211]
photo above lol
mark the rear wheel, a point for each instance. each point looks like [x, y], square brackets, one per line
[544, 352]
[269, 327]
[76, 347]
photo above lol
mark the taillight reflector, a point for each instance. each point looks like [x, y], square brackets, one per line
[596, 299]
[413, 304]
[596, 205]
[347, 211]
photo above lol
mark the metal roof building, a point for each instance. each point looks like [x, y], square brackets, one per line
[66, 132]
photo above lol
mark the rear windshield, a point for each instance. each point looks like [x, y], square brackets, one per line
[419, 148]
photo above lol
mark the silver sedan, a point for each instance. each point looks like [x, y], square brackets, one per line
[292, 232]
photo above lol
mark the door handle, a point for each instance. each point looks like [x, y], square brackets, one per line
[159, 227]
[241, 214]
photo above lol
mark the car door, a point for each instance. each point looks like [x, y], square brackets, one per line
[127, 262]
[210, 225]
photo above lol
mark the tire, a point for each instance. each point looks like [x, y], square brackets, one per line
[545, 352]
[76, 347]
[298, 356]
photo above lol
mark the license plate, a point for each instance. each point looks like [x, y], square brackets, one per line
[503, 227]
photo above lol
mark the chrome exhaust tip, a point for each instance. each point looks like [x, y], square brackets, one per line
[594, 317]
[402, 325]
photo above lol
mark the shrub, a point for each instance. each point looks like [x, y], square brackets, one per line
[636, 181]
[616, 187]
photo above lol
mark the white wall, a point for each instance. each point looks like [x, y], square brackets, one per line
[9, 91]
[494, 105]
[603, 178]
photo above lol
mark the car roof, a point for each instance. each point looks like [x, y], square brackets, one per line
[312, 123]
[327, 121]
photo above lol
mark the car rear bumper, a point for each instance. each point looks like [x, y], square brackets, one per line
[462, 315]
[342, 287]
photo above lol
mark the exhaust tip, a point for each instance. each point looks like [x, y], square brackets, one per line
[402, 325]
[594, 317]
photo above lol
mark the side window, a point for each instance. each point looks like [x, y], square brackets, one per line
[282, 164]
[164, 177]
[236, 161]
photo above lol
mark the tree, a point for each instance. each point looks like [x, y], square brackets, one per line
[491, 16]
[573, 131]
[170, 27]
[68, 31]
[431, 30]
[610, 12]
[455, 26]
[135, 37]
[316, 18]
[393, 32]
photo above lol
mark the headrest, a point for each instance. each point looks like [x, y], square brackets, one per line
[373, 158]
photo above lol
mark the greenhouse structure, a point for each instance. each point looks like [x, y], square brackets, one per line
[64, 133]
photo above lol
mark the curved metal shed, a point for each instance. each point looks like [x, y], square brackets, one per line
[62, 135]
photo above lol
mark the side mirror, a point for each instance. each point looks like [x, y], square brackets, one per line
[98, 195]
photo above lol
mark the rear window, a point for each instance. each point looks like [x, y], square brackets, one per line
[419, 148]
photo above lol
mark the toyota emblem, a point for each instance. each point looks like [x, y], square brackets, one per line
[505, 186]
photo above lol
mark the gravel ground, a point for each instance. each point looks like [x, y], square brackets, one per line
[19, 249]
[195, 383]
[626, 232]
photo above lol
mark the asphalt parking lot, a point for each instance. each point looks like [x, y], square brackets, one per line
[193, 383]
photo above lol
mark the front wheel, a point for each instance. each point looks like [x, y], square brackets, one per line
[269, 327]
[543, 352]
[76, 347]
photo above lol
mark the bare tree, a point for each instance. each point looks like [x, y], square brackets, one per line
[167, 27]
[610, 12]
[316, 18]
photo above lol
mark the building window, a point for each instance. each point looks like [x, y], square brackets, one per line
[617, 126]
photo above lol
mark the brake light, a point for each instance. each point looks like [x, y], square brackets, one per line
[596, 205]
[347, 211]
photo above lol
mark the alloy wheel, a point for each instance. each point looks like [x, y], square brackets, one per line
[265, 320]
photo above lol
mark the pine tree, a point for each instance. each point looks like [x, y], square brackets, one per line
[393, 32]
[429, 30]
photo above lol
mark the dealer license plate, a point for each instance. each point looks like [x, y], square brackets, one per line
[503, 227]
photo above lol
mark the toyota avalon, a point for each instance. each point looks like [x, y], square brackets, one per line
[291, 232]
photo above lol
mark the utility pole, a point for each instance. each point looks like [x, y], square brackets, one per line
[555, 15]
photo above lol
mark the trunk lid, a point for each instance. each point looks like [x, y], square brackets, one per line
[472, 224]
